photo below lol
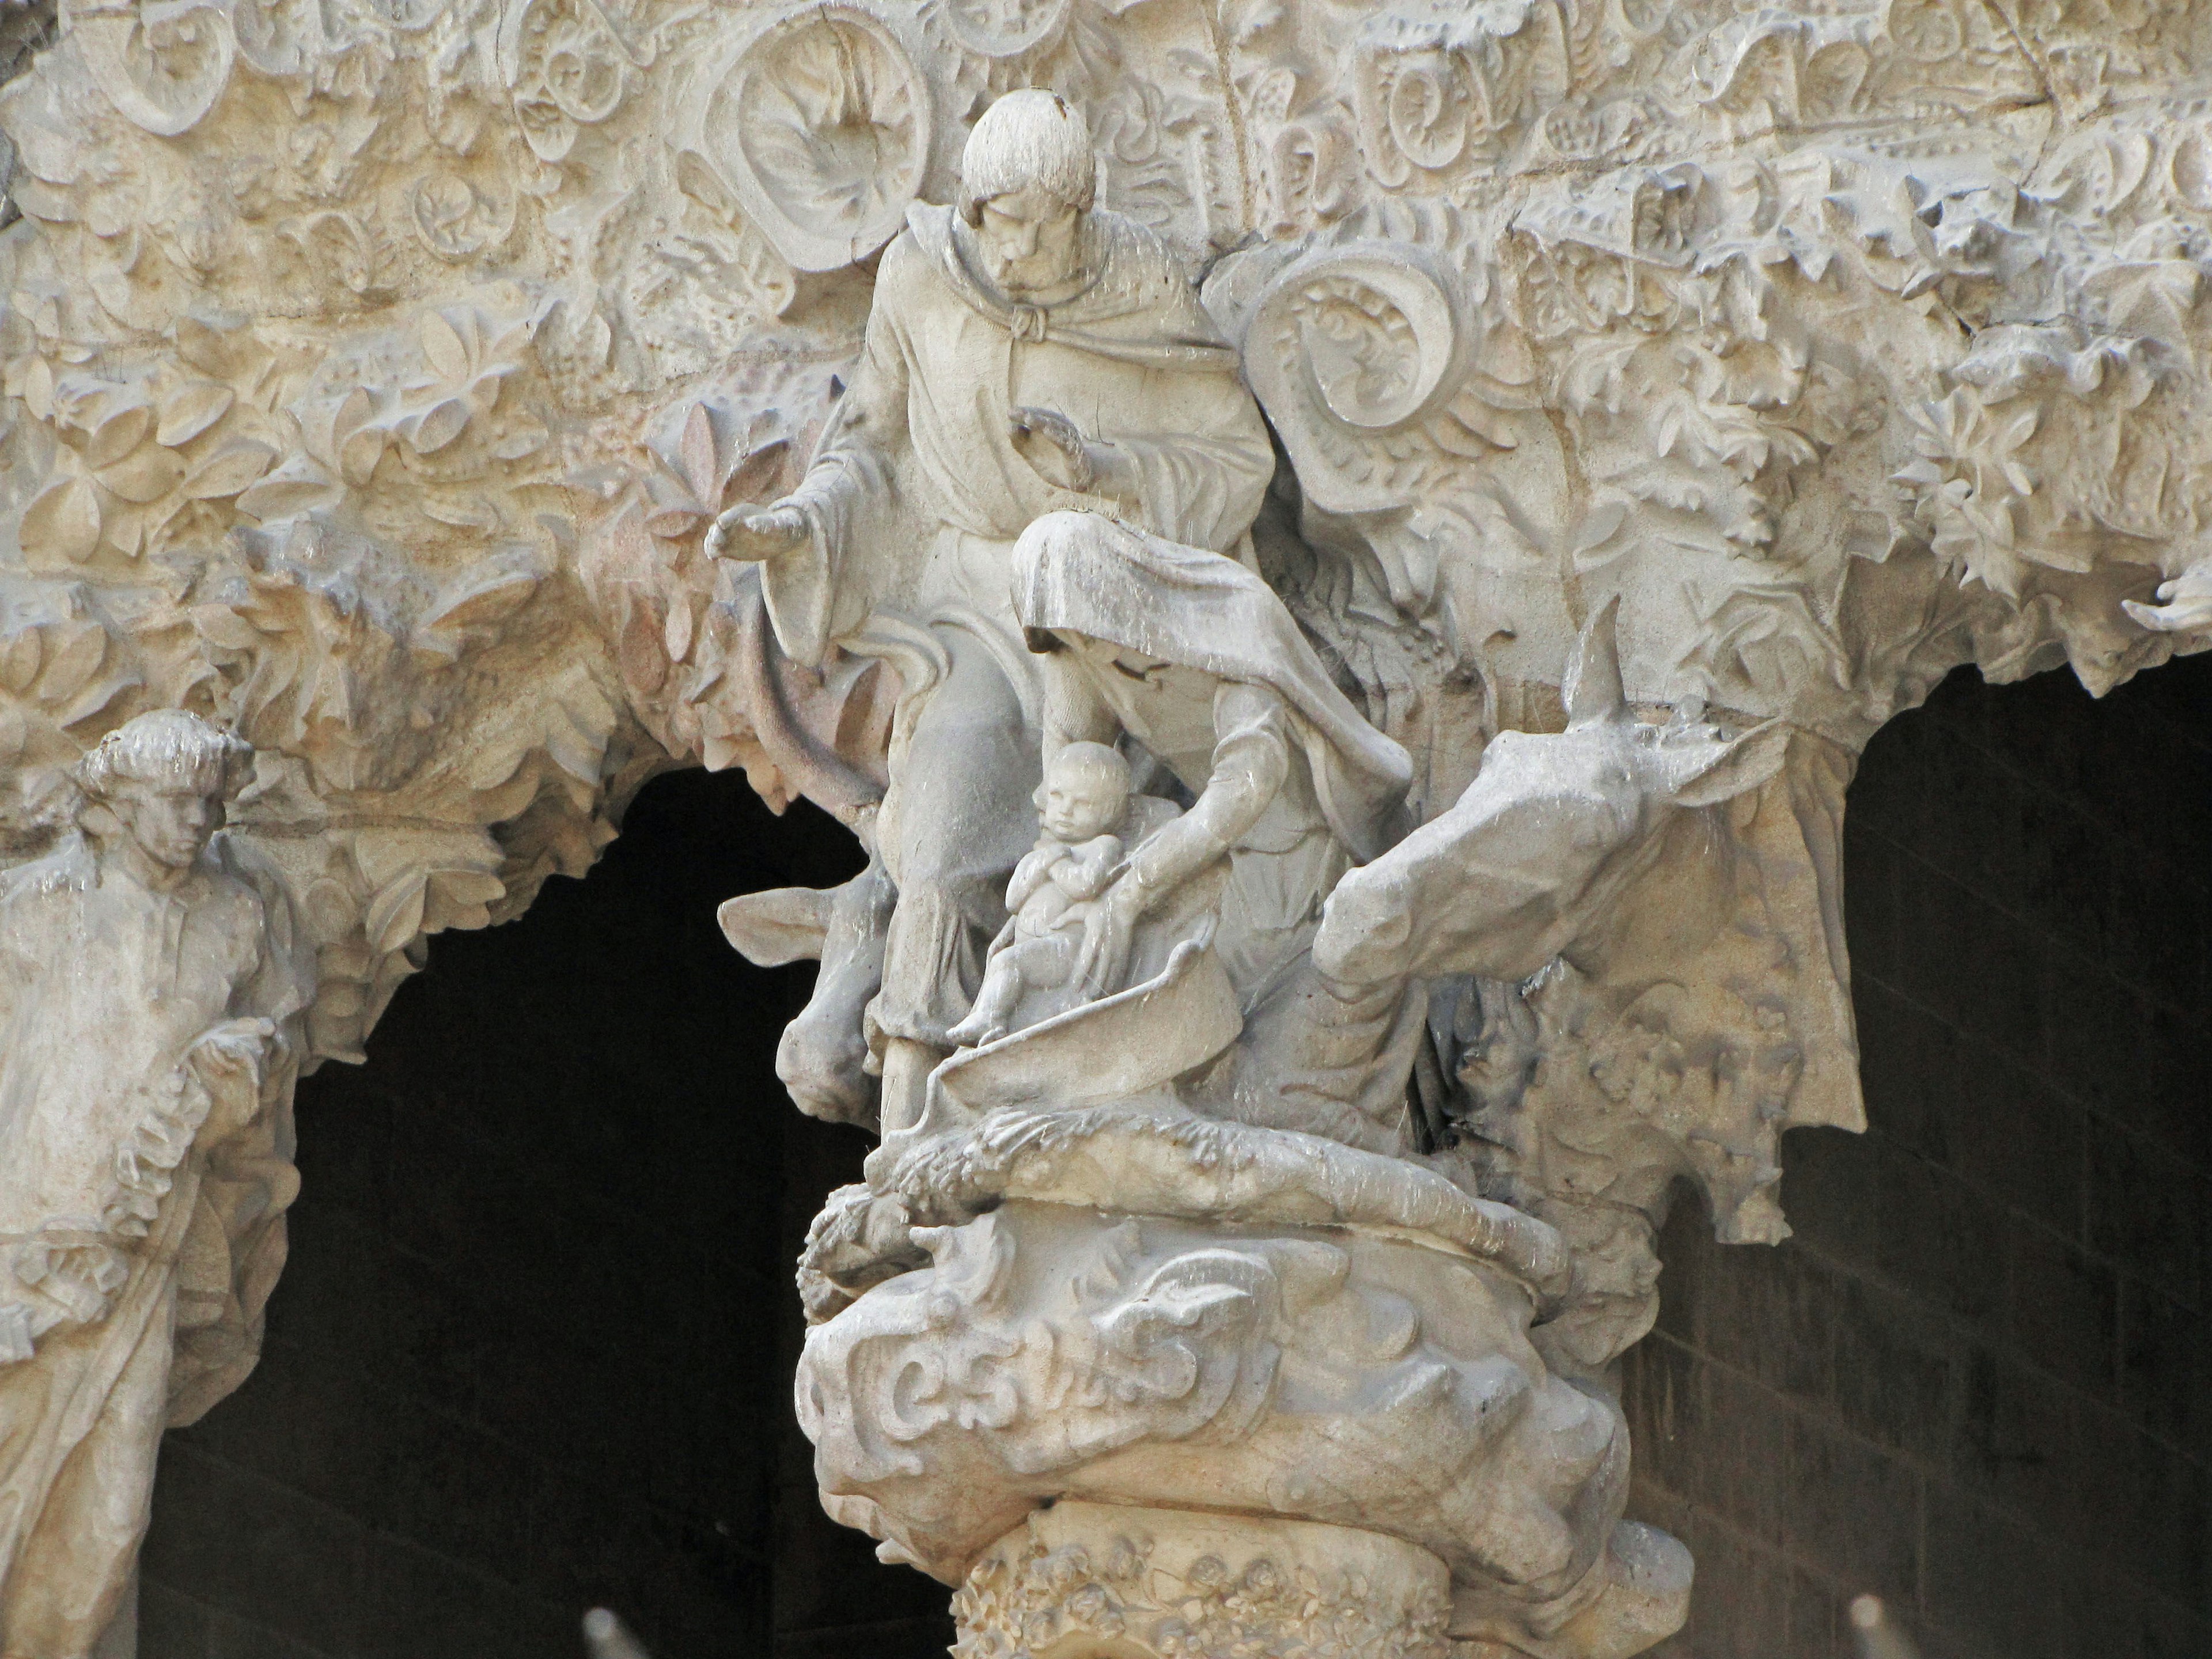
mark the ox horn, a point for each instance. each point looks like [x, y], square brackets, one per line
[1593, 688]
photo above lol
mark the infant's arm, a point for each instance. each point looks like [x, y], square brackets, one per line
[1084, 875]
[1032, 872]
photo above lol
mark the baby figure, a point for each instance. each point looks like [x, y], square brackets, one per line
[1053, 894]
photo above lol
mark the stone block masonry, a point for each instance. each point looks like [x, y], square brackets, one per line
[1975, 1382]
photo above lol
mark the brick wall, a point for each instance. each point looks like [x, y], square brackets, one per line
[534, 1349]
[1976, 1380]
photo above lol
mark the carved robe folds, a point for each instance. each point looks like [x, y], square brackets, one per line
[146, 1070]
[916, 497]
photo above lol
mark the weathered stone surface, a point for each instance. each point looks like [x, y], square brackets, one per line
[477, 408]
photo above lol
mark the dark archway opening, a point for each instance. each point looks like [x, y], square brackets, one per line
[534, 1350]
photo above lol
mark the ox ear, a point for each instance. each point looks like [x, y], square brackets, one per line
[1722, 771]
[784, 924]
[1592, 689]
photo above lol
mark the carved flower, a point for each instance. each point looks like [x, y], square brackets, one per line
[132, 456]
[1094, 1609]
[1967, 480]
[823, 128]
[1928, 30]
[565, 70]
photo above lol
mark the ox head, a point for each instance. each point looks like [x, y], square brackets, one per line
[1550, 836]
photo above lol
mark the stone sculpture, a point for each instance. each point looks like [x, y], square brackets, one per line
[902, 529]
[1657, 399]
[1053, 899]
[145, 1138]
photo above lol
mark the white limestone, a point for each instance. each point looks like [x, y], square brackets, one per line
[149, 1036]
[1489, 467]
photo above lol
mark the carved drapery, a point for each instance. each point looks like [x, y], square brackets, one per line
[372, 373]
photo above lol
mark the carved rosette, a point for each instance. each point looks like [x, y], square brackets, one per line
[823, 126]
[1081, 1581]
[162, 65]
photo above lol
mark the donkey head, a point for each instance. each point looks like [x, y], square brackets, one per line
[1552, 833]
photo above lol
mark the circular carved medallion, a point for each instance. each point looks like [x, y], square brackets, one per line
[161, 64]
[823, 127]
[1346, 345]
[1003, 29]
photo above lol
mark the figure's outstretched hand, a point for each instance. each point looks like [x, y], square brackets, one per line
[233, 1048]
[752, 534]
[1051, 443]
[2186, 603]
[229, 1059]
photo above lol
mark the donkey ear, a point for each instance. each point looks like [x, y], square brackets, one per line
[784, 924]
[1725, 770]
[1593, 688]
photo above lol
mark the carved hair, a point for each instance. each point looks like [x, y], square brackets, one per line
[1027, 138]
[1095, 761]
[169, 749]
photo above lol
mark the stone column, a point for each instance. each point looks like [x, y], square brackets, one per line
[1099, 1581]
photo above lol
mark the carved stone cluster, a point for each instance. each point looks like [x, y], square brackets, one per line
[1851, 344]
[1134, 1582]
[1665, 394]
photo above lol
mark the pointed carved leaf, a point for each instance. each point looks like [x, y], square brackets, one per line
[205, 348]
[473, 513]
[395, 915]
[76, 660]
[753, 476]
[147, 474]
[63, 522]
[483, 598]
[506, 352]
[124, 530]
[294, 487]
[38, 392]
[19, 656]
[439, 425]
[443, 347]
[192, 409]
[228, 471]
[357, 409]
[694, 453]
[358, 455]
[117, 434]
[519, 443]
[95, 699]
[678, 634]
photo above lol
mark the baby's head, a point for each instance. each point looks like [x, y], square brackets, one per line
[1085, 789]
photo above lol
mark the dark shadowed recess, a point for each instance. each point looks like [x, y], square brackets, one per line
[534, 1348]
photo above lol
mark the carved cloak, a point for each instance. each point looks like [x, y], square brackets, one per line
[916, 487]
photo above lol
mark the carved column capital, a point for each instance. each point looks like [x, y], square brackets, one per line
[1090, 1581]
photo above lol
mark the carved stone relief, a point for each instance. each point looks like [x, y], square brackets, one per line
[1486, 470]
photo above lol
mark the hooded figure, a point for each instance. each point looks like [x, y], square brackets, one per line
[1194, 658]
[1025, 353]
